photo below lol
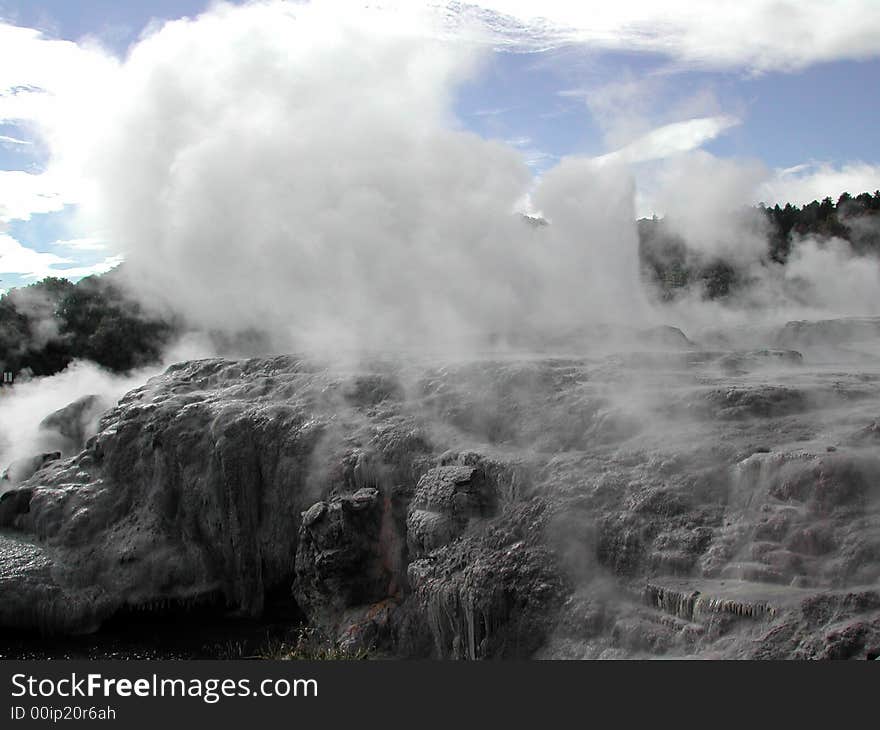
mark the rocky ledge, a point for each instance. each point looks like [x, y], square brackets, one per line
[714, 504]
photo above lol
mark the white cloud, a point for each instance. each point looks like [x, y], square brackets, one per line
[670, 139]
[759, 35]
[815, 180]
[51, 87]
[18, 259]
[23, 261]
[48, 88]
[78, 272]
[495, 112]
[19, 105]
[632, 105]
[678, 185]
[91, 243]
[537, 159]
[31, 63]
[5, 140]
[23, 194]
[62, 87]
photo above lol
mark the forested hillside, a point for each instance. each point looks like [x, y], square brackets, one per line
[44, 326]
[673, 265]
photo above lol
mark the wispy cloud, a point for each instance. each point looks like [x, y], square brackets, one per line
[758, 35]
[5, 140]
[537, 159]
[23, 194]
[78, 272]
[18, 259]
[82, 244]
[579, 93]
[494, 112]
[815, 180]
[23, 261]
[671, 139]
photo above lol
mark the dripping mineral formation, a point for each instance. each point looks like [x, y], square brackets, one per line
[667, 498]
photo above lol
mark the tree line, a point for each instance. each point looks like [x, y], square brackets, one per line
[669, 263]
[47, 325]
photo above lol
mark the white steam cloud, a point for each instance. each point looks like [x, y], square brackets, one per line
[23, 407]
[833, 280]
[294, 169]
[282, 167]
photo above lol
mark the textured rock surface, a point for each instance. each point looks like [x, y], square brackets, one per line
[703, 502]
[447, 498]
[22, 469]
[69, 426]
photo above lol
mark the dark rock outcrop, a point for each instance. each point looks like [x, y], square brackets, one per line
[490, 595]
[350, 553]
[445, 500]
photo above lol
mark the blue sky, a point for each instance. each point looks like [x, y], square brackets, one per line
[797, 94]
[825, 112]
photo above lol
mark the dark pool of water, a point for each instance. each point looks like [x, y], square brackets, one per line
[163, 637]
